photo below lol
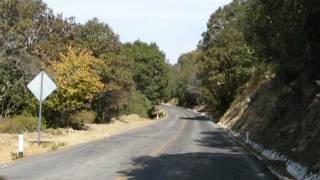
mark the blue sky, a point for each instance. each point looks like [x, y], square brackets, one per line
[175, 25]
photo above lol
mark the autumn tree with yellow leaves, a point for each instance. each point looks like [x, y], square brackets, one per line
[77, 75]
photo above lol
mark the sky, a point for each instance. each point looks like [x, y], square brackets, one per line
[175, 25]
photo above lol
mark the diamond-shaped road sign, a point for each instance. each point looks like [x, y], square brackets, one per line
[48, 86]
[41, 87]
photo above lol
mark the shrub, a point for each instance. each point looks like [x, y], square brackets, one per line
[108, 105]
[56, 146]
[55, 132]
[138, 104]
[88, 117]
[76, 121]
[20, 124]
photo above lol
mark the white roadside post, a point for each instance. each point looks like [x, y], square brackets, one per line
[20, 146]
[41, 87]
[247, 137]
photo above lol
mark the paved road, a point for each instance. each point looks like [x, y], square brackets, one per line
[185, 146]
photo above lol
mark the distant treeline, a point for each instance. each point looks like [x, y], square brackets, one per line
[246, 42]
[94, 71]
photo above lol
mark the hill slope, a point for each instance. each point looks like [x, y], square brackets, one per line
[283, 116]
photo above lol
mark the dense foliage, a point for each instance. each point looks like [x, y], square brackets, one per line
[285, 33]
[150, 71]
[227, 60]
[93, 70]
[222, 63]
[247, 39]
[187, 90]
[15, 72]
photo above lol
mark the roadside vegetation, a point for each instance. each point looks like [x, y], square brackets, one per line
[94, 71]
[247, 41]
[19, 124]
[257, 69]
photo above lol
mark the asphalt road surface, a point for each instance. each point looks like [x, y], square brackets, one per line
[184, 146]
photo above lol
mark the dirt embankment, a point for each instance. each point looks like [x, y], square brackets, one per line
[283, 116]
[53, 139]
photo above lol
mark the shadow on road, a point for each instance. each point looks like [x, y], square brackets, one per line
[192, 166]
[218, 158]
[215, 139]
[222, 160]
[196, 118]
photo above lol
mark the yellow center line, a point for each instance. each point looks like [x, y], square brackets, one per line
[158, 150]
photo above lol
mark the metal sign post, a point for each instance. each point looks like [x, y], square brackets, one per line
[41, 87]
[40, 107]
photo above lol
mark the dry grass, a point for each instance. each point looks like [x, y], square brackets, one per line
[19, 124]
[54, 139]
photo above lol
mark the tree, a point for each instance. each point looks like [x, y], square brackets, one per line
[97, 36]
[150, 71]
[226, 58]
[188, 85]
[15, 72]
[53, 36]
[284, 33]
[118, 85]
[32, 25]
[18, 22]
[78, 78]
[224, 69]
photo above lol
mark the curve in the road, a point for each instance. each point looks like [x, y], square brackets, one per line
[185, 146]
